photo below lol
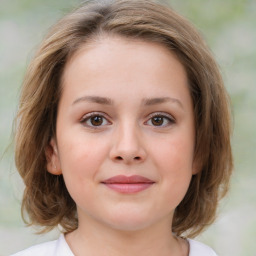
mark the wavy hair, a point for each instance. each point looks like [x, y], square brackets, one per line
[46, 199]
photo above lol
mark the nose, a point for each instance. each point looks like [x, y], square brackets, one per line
[128, 146]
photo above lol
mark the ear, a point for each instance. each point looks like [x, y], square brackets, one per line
[196, 166]
[52, 158]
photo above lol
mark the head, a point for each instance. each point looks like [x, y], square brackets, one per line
[46, 198]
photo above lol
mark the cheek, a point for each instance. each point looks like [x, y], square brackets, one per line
[174, 154]
[82, 158]
[174, 161]
[81, 162]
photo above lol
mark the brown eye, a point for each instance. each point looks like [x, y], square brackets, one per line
[157, 121]
[160, 120]
[96, 120]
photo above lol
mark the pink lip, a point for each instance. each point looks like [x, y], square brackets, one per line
[128, 184]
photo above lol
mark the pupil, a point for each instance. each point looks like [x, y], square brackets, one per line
[96, 120]
[157, 121]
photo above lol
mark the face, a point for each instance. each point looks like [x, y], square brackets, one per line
[125, 133]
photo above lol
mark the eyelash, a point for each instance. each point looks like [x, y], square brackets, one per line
[166, 117]
[88, 117]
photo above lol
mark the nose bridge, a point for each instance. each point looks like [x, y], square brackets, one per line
[128, 136]
[128, 144]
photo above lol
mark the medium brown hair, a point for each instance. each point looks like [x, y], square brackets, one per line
[46, 199]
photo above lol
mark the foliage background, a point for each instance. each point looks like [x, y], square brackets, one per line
[228, 27]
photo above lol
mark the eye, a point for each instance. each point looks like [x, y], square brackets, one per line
[160, 120]
[94, 120]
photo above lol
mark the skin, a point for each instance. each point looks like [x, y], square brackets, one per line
[125, 141]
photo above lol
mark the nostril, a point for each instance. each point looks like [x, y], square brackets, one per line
[135, 158]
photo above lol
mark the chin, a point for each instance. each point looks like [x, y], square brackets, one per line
[130, 221]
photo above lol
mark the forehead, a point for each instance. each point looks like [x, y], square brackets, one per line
[109, 47]
[116, 62]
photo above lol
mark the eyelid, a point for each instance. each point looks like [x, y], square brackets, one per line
[164, 114]
[170, 118]
[87, 116]
[91, 114]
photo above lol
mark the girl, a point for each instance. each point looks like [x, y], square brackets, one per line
[123, 133]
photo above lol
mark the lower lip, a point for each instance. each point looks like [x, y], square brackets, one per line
[128, 188]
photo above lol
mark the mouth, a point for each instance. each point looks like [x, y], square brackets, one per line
[128, 184]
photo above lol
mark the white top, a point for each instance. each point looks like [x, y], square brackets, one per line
[60, 248]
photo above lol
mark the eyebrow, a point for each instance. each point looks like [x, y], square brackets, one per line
[94, 99]
[155, 101]
[145, 101]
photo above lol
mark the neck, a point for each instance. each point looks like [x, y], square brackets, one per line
[98, 239]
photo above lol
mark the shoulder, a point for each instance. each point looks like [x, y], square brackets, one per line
[200, 249]
[40, 249]
[54, 248]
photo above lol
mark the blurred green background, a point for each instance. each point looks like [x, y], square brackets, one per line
[228, 26]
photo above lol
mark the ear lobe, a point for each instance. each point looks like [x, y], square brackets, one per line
[196, 167]
[52, 158]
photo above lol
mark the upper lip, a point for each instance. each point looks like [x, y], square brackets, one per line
[122, 179]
